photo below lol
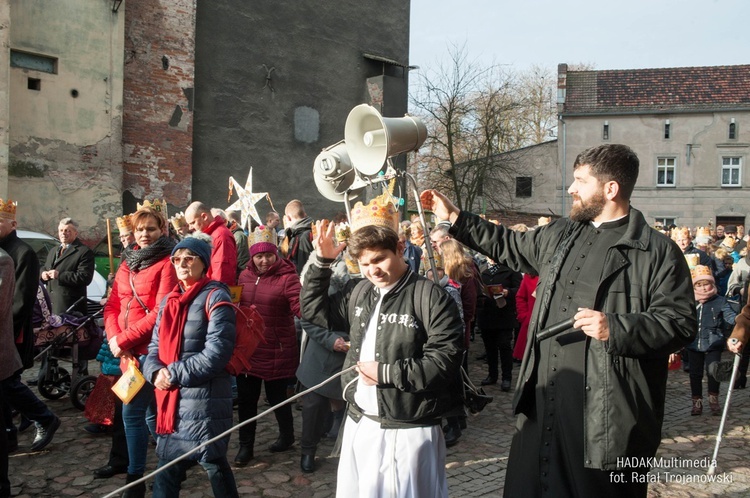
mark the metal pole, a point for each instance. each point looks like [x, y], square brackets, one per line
[735, 367]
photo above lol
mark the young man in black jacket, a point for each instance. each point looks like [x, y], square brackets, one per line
[407, 343]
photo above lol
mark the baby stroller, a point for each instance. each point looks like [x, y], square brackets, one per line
[69, 337]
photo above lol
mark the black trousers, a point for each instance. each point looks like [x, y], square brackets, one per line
[118, 454]
[248, 394]
[4, 481]
[316, 410]
[699, 362]
[499, 341]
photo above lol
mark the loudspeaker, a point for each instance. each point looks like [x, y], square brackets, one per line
[371, 139]
[333, 173]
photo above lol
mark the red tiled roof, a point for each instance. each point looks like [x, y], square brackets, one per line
[664, 89]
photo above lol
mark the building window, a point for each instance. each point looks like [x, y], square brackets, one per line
[605, 131]
[665, 172]
[664, 221]
[667, 130]
[523, 186]
[731, 171]
[732, 130]
[34, 62]
[34, 84]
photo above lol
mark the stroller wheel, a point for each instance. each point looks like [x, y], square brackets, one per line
[55, 385]
[81, 390]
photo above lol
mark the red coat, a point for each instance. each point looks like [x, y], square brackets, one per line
[223, 253]
[124, 316]
[276, 296]
[524, 306]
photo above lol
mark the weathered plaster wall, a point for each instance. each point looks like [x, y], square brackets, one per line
[4, 94]
[158, 111]
[275, 82]
[65, 138]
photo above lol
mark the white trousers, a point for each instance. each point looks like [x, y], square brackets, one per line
[391, 463]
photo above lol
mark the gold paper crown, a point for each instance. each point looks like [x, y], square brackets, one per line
[680, 233]
[8, 209]
[543, 220]
[378, 212]
[702, 232]
[264, 234]
[701, 271]
[729, 242]
[438, 260]
[692, 260]
[125, 224]
[157, 205]
[342, 232]
[352, 266]
[178, 221]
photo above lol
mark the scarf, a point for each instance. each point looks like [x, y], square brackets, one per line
[140, 258]
[702, 295]
[171, 331]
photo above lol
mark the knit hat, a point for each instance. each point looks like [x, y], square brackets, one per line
[198, 245]
[701, 272]
[263, 239]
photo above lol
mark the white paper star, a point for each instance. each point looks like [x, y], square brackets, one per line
[247, 200]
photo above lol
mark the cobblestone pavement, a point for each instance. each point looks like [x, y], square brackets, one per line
[476, 465]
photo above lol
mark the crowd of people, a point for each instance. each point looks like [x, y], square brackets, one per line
[626, 298]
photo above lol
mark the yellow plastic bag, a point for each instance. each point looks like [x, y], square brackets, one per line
[130, 383]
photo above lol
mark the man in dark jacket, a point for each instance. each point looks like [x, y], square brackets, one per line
[297, 243]
[68, 270]
[407, 342]
[593, 396]
[17, 395]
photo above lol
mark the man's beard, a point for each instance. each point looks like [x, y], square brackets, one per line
[587, 211]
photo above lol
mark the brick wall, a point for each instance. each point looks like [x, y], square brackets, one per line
[159, 76]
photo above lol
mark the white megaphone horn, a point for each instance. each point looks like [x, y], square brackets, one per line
[371, 139]
[333, 173]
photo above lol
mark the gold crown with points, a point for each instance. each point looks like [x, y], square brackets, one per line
[263, 234]
[125, 224]
[178, 221]
[352, 265]
[680, 233]
[543, 220]
[156, 205]
[701, 271]
[692, 260]
[438, 260]
[342, 232]
[8, 209]
[380, 211]
[702, 232]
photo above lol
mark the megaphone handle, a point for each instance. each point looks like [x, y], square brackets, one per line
[427, 245]
[347, 207]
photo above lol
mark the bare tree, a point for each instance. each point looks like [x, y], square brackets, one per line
[474, 116]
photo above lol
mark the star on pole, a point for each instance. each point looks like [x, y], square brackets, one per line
[247, 199]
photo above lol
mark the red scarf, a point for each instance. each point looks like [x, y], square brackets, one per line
[171, 329]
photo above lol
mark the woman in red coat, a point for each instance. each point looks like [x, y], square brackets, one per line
[143, 279]
[272, 285]
[525, 299]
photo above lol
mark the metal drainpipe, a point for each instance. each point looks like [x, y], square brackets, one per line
[564, 167]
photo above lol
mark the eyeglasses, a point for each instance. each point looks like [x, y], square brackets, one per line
[177, 260]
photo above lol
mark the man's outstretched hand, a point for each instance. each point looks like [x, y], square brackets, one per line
[324, 242]
[439, 204]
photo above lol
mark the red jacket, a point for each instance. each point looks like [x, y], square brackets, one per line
[276, 296]
[223, 254]
[124, 316]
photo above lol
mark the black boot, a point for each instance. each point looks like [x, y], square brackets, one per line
[283, 443]
[244, 455]
[137, 491]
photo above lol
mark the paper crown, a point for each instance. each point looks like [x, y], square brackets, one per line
[543, 220]
[352, 266]
[378, 212]
[728, 242]
[701, 272]
[125, 224]
[157, 205]
[263, 234]
[692, 260]
[342, 232]
[178, 221]
[8, 209]
[680, 233]
[702, 232]
[438, 260]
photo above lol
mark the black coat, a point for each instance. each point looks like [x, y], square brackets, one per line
[76, 271]
[27, 282]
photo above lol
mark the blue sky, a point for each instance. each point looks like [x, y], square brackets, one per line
[606, 34]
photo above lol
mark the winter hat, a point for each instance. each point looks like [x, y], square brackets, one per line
[701, 272]
[730, 229]
[263, 239]
[199, 244]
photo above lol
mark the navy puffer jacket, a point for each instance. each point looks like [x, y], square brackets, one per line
[205, 406]
[275, 294]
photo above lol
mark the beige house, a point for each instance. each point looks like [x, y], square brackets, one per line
[689, 126]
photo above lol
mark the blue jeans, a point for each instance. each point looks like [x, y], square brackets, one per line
[139, 417]
[168, 482]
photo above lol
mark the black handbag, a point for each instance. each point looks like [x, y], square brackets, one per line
[475, 399]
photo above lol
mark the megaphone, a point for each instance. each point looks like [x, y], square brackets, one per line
[333, 173]
[371, 139]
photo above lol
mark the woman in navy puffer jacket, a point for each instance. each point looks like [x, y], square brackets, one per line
[272, 285]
